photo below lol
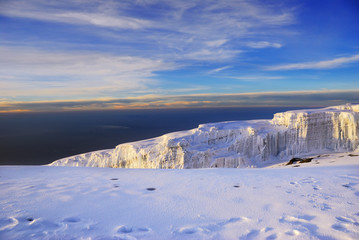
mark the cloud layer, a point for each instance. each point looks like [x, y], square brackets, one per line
[193, 29]
[268, 99]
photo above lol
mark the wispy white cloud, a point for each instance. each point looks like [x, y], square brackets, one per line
[216, 70]
[81, 18]
[215, 24]
[264, 44]
[35, 71]
[52, 63]
[101, 20]
[334, 63]
[212, 54]
[216, 43]
[257, 78]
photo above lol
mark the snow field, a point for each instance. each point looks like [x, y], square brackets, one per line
[316, 200]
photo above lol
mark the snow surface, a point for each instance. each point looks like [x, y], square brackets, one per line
[315, 200]
[312, 198]
[237, 144]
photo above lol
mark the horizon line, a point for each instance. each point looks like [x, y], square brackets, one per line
[310, 98]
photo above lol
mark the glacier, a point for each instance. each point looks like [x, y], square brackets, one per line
[237, 144]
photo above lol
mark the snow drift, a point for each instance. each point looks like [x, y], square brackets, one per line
[236, 143]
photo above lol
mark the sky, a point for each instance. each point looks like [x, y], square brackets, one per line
[83, 55]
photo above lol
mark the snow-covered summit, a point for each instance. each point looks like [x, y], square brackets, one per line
[237, 143]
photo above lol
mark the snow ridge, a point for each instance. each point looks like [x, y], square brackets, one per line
[237, 143]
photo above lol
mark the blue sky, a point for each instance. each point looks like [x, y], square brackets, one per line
[74, 55]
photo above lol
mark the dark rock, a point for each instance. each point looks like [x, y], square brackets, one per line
[293, 160]
[306, 160]
[353, 155]
[299, 160]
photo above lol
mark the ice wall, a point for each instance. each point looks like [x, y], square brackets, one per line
[237, 144]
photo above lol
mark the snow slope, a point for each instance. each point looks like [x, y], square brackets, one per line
[237, 144]
[315, 200]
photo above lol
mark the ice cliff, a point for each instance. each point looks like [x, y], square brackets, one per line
[238, 143]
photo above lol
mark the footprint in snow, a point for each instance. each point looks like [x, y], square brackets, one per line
[8, 223]
[350, 185]
[72, 220]
[293, 232]
[213, 227]
[302, 222]
[272, 237]
[353, 187]
[190, 230]
[234, 220]
[347, 220]
[308, 180]
[40, 223]
[325, 207]
[340, 227]
[260, 234]
[253, 234]
[126, 229]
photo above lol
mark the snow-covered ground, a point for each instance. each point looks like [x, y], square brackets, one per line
[313, 197]
[315, 200]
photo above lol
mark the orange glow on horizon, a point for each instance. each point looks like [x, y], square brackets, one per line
[15, 111]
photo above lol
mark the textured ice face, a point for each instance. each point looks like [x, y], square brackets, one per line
[237, 143]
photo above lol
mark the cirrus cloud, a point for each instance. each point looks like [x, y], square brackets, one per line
[36, 72]
[263, 44]
[333, 63]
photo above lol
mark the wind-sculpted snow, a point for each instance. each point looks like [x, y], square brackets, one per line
[238, 143]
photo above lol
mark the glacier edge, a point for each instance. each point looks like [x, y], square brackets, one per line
[236, 143]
